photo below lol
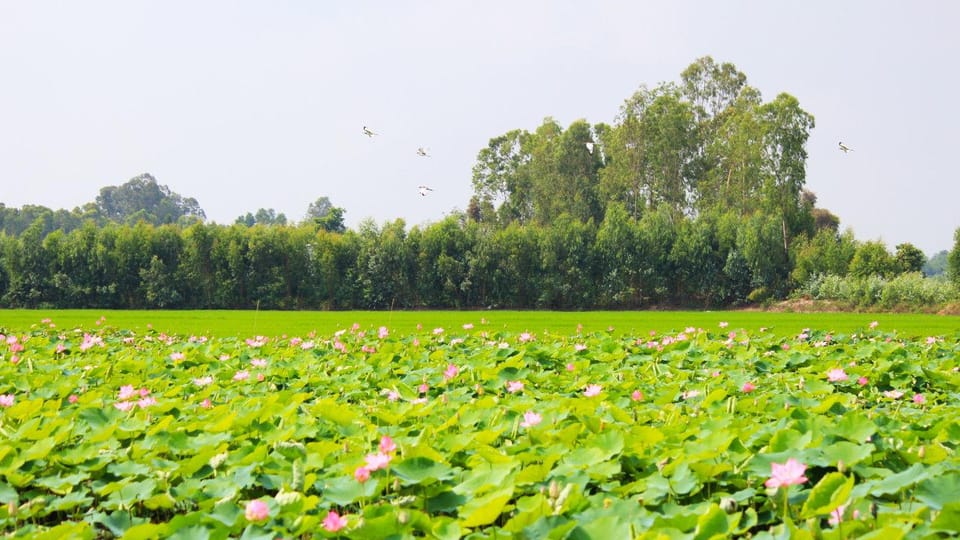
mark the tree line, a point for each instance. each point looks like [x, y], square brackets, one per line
[694, 197]
[658, 260]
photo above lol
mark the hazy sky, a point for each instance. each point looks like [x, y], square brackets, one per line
[244, 104]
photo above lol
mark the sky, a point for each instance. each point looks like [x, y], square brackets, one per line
[250, 104]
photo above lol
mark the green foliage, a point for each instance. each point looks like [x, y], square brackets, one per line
[872, 259]
[937, 264]
[142, 199]
[953, 260]
[909, 258]
[176, 435]
[911, 290]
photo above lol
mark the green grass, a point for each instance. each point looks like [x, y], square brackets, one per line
[294, 323]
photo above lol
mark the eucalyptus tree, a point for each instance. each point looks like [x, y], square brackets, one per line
[953, 259]
[142, 198]
[501, 176]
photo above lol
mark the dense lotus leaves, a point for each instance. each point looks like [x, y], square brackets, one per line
[478, 433]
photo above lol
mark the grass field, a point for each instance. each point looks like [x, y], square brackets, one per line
[293, 323]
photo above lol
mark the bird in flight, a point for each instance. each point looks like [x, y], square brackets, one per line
[844, 148]
[423, 190]
[423, 152]
[368, 132]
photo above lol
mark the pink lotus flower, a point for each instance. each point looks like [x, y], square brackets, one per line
[387, 445]
[571, 367]
[724, 324]
[862, 381]
[206, 404]
[124, 406]
[893, 394]
[392, 395]
[837, 515]
[258, 362]
[334, 522]
[6, 400]
[241, 375]
[177, 356]
[525, 337]
[73, 398]
[203, 381]
[377, 461]
[636, 395]
[931, 340]
[689, 394]
[514, 386]
[874, 324]
[257, 510]
[786, 474]
[748, 387]
[530, 419]
[592, 390]
[837, 375]
[468, 326]
[451, 372]
[919, 399]
[361, 474]
[383, 332]
[126, 392]
[224, 357]
[437, 331]
[146, 402]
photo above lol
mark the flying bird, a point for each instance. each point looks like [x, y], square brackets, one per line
[423, 190]
[423, 152]
[368, 132]
[845, 148]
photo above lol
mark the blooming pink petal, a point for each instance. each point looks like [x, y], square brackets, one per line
[748, 387]
[377, 461]
[786, 474]
[530, 419]
[334, 522]
[387, 445]
[362, 474]
[257, 510]
[837, 375]
[592, 390]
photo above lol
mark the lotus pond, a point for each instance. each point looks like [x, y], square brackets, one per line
[477, 432]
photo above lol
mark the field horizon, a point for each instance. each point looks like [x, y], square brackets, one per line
[224, 323]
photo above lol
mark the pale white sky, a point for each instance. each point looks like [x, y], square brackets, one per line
[244, 104]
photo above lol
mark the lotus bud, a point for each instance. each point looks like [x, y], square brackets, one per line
[403, 517]
[728, 505]
[554, 490]
[921, 452]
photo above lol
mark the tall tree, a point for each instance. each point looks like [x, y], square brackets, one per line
[142, 198]
[326, 216]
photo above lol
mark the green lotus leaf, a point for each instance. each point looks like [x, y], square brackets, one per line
[898, 481]
[421, 470]
[79, 530]
[830, 492]
[345, 490]
[484, 510]
[938, 491]
[846, 453]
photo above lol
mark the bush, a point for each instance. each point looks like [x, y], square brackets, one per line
[910, 290]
